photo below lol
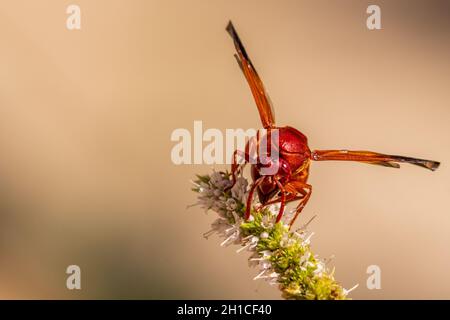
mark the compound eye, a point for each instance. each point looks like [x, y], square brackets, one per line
[285, 168]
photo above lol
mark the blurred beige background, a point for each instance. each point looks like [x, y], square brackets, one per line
[86, 117]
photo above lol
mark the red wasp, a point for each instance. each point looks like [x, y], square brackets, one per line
[289, 182]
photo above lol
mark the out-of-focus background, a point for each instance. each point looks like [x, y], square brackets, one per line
[86, 116]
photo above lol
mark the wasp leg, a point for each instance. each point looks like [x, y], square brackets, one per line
[247, 156]
[236, 166]
[303, 188]
[282, 201]
[289, 198]
[250, 196]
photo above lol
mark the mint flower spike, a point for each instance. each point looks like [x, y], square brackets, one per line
[283, 257]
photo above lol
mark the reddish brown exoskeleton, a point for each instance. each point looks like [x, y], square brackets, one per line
[289, 182]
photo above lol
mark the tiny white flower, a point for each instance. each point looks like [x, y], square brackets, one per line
[347, 291]
[268, 221]
[319, 268]
[308, 239]
[239, 190]
[216, 178]
[231, 204]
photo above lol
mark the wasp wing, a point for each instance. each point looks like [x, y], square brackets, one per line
[386, 160]
[259, 93]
